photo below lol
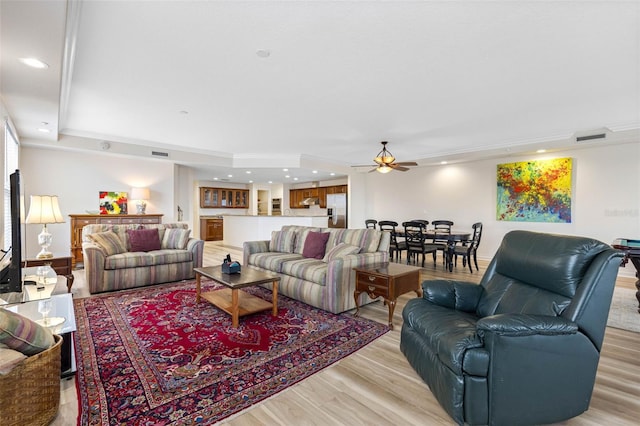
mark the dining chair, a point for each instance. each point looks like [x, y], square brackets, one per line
[469, 248]
[370, 223]
[396, 246]
[414, 234]
[442, 227]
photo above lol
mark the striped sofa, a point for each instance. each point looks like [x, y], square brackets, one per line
[110, 268]
[327, 283]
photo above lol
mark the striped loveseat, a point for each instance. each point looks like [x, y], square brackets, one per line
[113, 262]
[328, 280]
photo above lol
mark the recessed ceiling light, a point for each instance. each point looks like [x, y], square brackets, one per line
[287, 176]
[295, 178]
[263, 53]
[443, 162]
[540, 151]
[229, 175]
[332, 174]
[34, 63]
[248, 172]
[270, 181]
[315, 171]
[44, 130]
[250, 181]
[215, 178]
[285, 170]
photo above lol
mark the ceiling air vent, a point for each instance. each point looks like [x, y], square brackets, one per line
[591, 137]
[160, 154]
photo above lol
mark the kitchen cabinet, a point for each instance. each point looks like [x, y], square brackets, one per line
[295, 199]
[78, 221]
[211, 229]
[337, 189]
[297, 195]
[224, 198]
[322, 195]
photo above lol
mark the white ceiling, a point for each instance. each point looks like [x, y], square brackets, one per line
[440, 80]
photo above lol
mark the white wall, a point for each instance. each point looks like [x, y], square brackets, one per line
[606, 196]
[77, 179]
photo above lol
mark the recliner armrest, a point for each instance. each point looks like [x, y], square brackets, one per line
[525, 325]
[460, 295]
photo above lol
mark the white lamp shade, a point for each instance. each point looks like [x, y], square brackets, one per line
[44, 209]
[140, 193]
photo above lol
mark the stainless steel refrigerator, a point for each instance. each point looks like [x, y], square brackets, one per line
[337, 210]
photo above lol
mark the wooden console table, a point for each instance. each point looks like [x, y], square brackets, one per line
[78, 221]
[631, 249]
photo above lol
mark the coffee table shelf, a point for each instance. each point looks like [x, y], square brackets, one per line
[247, 303]
[231, 299]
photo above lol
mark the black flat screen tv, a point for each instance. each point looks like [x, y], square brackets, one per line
[11, 268]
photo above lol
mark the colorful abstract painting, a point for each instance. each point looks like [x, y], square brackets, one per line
[113, 202]
[535, 191]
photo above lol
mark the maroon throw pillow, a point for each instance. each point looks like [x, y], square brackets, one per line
[144, 239]
[315, 245]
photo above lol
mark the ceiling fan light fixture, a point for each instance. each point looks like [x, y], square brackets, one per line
[384, 156]
[383, 168]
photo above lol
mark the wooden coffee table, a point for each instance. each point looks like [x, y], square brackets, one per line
[231, 299]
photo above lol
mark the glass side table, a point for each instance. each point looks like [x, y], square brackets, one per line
[61, 307]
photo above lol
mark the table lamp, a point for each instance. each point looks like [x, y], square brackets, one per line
[140, 195]
[44, 209]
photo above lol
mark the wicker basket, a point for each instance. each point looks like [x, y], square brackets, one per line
[30, 393]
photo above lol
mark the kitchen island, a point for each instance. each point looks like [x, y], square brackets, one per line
[238, 229]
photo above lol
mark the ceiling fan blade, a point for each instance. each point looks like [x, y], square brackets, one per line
[399, 168]
[406, 163]
[372, 170]
[365, 165]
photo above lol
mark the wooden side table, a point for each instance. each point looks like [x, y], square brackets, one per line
[60, 264]
[389, 282]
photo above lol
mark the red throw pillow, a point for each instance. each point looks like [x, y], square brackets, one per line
[315, 244]
[143, 239]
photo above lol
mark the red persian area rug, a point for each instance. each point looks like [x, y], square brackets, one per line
[152, 356]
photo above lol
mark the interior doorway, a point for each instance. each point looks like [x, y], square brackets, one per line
[263, 202]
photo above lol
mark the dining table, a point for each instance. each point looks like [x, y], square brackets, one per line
[452, 238]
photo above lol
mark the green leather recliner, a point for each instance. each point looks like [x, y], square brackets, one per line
[523, 346]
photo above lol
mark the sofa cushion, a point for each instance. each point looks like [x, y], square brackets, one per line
[367, 239]
[141, 259]
[306, 269]
[315, 244]
[282, 241]
[339, 251]
[109, 242]
[301, 233]
[175, 238]
[143, 239]
[23, 335]
[272, 261]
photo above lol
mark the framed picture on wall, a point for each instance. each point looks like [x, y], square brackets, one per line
[113, 202]
[535, 191]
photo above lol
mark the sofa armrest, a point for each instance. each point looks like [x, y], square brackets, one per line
[460, 295]
[342, 277]
[251, 247]
[196, 247]
[93, 259]
[525, 325]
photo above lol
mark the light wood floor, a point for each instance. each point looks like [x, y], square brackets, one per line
[377, 386]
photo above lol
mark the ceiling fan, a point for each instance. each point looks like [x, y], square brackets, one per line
[385, 162]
